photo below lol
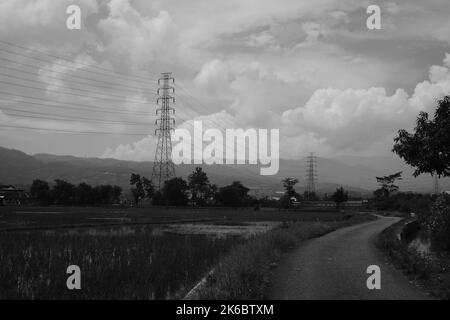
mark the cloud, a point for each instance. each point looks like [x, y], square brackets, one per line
[309, 68]
[134, 40]
[356, 120]
[214, 76]
[262, 39]
[144, 149]
[43, 22]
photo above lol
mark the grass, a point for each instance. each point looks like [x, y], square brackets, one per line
[32, 218]
[128, 265]
[430, 271]
[122, 257]
[245, 272]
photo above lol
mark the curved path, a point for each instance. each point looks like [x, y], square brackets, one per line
[334, 267]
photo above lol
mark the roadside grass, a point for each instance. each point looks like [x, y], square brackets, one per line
[246, 271]
[430, 271]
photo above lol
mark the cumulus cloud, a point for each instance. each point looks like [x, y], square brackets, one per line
[214, 76]
[309, 68]
[356, 120]
[135, 39]
[144, 149]
[43, 22]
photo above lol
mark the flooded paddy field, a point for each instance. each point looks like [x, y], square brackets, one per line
[123, 253]
[129, 262]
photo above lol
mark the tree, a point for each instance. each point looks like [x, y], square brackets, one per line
[174, 192]
[116, 193]
[85, 194]
[288, 184]
[339, 196]
[428, 148]
[199, 186]
[233, 195]
[148, 186]
[387, 186]
[311, 196]
[64, 193]
[212, 196]
[137, 190]
[157, 199]
[40, 190]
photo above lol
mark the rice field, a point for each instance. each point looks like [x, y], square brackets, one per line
[123, 253]
[116, 263]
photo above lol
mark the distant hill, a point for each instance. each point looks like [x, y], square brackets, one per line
[356, 174]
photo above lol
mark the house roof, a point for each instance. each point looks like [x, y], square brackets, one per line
[9, 188]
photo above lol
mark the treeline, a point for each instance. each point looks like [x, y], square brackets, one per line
[197, 191]
[65, 193]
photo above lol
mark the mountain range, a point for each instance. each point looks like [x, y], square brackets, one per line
[356, 174]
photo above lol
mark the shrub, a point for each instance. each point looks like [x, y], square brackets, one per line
[438, 222]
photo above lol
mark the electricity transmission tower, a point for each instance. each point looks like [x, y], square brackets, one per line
[311, 176]
[163, 167]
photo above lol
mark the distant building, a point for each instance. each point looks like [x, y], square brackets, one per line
[12, 195]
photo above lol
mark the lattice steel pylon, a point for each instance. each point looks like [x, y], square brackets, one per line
[163, 167]
[311, 175]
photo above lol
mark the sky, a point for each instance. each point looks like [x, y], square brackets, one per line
[311, 69]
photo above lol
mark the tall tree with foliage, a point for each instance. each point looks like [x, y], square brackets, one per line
[64, 193]
[387, 185]
[289, 192]
[149, 188]
[40, 191]
[339, 196]
[174, 192]
[199, 186]
[428, 148]
[428, 151]
[233, 195]
[137, 189]
[289, 184]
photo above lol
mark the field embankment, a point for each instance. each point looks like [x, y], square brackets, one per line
[245, 272]
[409, 252]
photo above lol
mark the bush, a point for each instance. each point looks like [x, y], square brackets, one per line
[438, 222]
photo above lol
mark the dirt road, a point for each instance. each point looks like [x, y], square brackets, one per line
[334, 267]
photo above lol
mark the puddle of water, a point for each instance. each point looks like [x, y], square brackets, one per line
[214, 230]
[221, 231]
[117, 231]
[43, 212]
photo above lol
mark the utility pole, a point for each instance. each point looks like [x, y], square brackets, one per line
[311, 175]
[163, 167]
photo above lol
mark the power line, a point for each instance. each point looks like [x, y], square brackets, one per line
[67, 118]
[78, 107]
[118, 86]
[117, 74]
[72, 93]
[74, 132]
[217, 124]
[117, 98]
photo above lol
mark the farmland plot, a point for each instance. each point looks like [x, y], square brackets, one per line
[116, 263]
